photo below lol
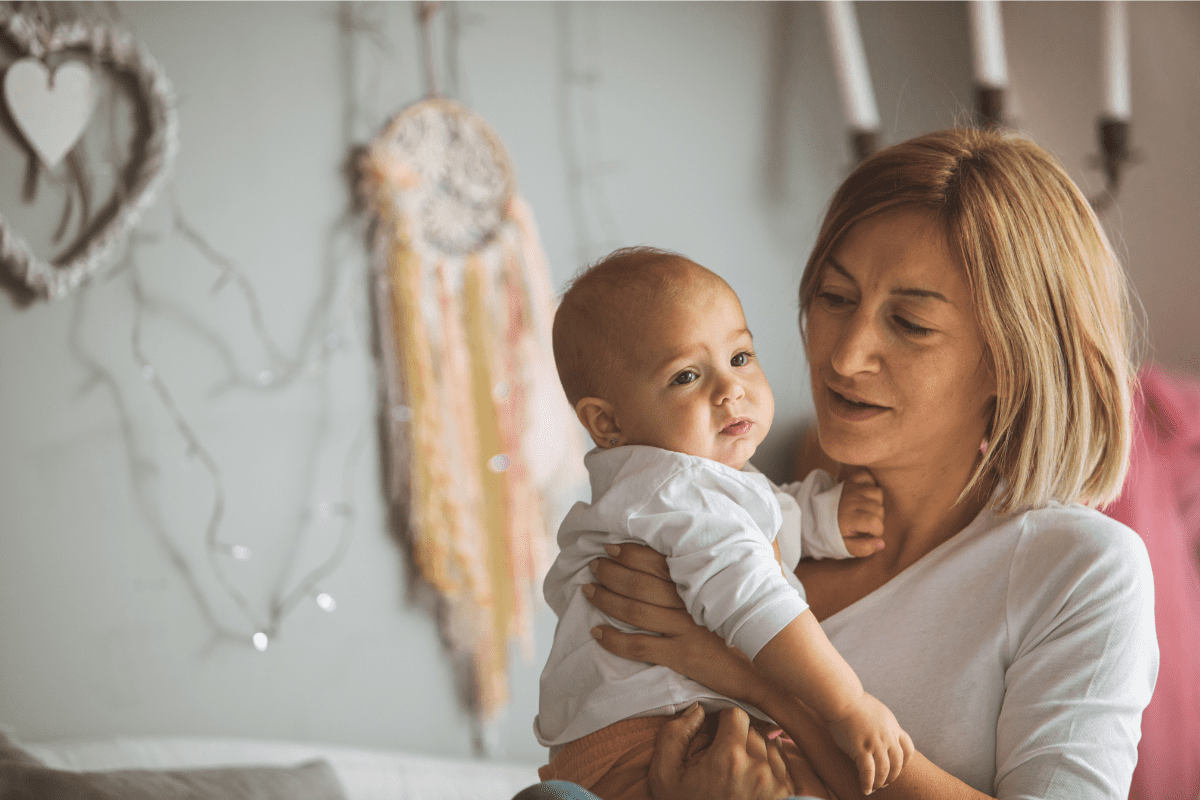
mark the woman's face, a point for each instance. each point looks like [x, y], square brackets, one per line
[900, 376]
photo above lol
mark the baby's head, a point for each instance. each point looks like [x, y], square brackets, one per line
[653, 349]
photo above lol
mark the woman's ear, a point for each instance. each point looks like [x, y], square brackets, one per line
[600, 419]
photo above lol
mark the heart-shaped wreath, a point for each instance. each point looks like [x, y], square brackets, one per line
[155, 144]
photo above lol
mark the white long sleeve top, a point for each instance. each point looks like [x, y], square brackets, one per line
[1019, 654]
[716, 526]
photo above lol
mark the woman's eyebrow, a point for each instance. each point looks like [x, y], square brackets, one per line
[833, 263]
[906, 292]
[922, 293]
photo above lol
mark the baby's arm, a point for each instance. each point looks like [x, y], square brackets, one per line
[860, 514]
[801, 659]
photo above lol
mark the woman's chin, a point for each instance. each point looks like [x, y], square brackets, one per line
[853, 451]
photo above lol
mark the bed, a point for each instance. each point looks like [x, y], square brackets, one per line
[166, 768]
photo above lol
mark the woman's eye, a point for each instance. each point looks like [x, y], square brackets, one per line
[687, 376]
[740, 360]
[834, 300]
[911, 327]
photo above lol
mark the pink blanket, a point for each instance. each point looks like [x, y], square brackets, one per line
[1161, 501]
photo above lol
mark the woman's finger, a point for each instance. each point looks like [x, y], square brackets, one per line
[802, 777]
[667, 767]
[778, 765]
[646, 616]
[733, 729]
[642, 647]
[756, 745]
[636, 585]
[639, 557]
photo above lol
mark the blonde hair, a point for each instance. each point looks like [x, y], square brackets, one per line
[603, 310]
[1051, 299]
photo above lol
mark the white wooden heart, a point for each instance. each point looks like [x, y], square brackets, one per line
[117, 52]
[51, 108]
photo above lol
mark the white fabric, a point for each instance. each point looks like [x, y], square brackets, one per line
[715, 525]
[365, 774]
[1019, 654]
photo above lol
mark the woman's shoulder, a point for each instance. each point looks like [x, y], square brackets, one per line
[1069, 554]
[1076, 532]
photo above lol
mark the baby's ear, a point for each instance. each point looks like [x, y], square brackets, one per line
[600, 419]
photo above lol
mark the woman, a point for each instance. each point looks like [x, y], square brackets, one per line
[961, 293]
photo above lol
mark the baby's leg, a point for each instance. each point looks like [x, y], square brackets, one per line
[613, 763]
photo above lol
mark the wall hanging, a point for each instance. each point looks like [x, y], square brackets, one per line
[49, 94]
[478, 433]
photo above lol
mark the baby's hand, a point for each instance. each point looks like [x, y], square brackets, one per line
[871, 736]
[860, 514]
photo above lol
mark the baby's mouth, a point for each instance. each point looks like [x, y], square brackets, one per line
[737, 427]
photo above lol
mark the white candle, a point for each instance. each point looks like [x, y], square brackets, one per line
[987, 40]
[1116, 60]
[850, 63]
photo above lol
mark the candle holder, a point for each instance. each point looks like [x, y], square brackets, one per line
[989, 103]
[863, 143]
[1115, 153]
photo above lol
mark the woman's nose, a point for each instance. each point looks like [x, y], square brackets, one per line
[857, 348]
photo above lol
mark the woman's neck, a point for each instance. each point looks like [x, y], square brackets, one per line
[922, 510]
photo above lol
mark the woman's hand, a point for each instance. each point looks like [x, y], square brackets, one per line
[740, 763]
[635, 587]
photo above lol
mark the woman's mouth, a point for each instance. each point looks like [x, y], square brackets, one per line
[738, 427]
[852, 410]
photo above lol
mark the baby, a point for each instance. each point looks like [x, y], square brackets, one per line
[654, 353]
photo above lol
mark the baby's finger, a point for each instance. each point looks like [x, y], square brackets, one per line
[866, 772]
[640, 557]
[863, 545]
[895, 763]
[859, 476]
[864, 521]
[636, 585]
[882, 768]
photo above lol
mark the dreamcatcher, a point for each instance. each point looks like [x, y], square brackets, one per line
[478, 433]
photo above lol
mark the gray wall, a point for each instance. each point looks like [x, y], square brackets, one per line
[709, 128]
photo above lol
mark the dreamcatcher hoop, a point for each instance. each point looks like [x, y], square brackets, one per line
[472, 397]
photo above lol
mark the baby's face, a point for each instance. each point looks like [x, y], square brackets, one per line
[692, 382]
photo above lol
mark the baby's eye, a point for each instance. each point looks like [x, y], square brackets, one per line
[687, 376]
[741, 359]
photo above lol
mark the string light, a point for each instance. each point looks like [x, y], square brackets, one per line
[239, 552]
[340, 298]
[579, 77]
